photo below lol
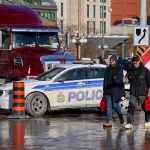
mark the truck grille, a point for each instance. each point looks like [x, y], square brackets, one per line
[18, 61]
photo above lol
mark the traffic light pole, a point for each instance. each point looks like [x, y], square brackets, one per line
[143, 12]
[79, 30]
[103, 40]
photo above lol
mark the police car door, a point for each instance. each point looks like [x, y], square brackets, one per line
[71, 93]
[95, 86]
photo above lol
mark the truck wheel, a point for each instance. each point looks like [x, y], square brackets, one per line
[36, 104]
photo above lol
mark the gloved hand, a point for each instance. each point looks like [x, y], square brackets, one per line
[114, 77]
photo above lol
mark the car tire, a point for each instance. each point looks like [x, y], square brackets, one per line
[36, 104]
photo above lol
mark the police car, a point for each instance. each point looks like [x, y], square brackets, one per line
[65, 86]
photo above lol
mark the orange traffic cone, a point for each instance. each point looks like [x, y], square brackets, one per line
[18, 109]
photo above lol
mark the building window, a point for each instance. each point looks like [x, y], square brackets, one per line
[62, 6]
[102, 27]
[48, 15]
[102, 11]
[35, 2]
[94, 27]
[62, 26]
[102, 1]
[94, 10]
[88, 27]
[88, 11]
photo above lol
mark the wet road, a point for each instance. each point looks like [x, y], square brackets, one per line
[72, 131]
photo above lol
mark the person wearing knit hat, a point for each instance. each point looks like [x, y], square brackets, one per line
[113, 90]
[113, 57]
[139, 79]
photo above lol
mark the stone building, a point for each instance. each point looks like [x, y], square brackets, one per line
[93, 16]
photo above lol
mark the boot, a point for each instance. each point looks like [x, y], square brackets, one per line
[108, 123]
[121, 119]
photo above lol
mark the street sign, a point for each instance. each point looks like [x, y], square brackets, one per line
[141, 35]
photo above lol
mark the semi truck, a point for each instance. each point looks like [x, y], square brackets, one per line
[26, 44]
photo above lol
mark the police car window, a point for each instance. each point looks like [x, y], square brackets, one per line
[49, 74]
[74, 74]
[95, 73]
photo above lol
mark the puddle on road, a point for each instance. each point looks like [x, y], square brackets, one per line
[75, 131]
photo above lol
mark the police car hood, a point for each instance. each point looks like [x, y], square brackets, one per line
[27, 83]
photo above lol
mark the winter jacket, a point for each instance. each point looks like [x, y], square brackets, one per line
[139, 79]
[113, 82]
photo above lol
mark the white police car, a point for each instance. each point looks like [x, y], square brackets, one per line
[65, 86]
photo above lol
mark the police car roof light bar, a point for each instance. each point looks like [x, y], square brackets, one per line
[84, 62]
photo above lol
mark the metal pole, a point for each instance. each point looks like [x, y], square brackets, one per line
[79, 30]
[123, 50]
[103, 40]
[143, 12]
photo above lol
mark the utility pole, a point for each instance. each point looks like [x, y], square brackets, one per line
[79, 38]
[103, 40]
[143, 12]
[79, 30]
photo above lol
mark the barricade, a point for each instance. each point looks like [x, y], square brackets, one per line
[18, 103]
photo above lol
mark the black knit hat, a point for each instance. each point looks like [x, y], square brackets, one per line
[114, 57]
[136, 58]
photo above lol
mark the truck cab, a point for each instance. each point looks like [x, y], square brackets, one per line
[23, 41]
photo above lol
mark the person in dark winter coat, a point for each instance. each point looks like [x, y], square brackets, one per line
[113, 90]
[139, 79]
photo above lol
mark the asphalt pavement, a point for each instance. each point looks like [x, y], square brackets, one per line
[75, 130]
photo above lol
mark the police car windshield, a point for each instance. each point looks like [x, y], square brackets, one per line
[48, 75]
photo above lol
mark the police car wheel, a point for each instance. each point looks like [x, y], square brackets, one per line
[36, 104]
